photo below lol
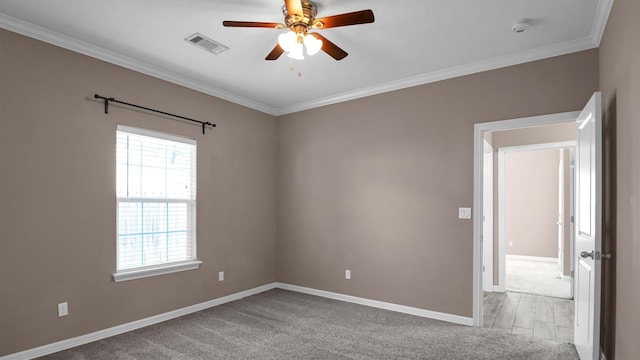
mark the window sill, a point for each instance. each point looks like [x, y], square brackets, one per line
[155, 271]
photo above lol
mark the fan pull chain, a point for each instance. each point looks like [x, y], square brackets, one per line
[292, 68]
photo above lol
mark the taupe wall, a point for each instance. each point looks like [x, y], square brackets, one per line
[531, 196]
[57, 202]
[620, 83]
[374, 185]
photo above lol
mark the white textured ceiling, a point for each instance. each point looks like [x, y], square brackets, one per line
[411, 42]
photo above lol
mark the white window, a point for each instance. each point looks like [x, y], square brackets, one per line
[156, 203]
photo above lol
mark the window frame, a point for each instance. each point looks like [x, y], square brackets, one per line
[167, 267]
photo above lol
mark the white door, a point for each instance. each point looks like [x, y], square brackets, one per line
[588, 245]
[487, 223]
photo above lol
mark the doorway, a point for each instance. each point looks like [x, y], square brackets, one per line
[587, 252]
[534, 217]
[479, 135]
[531, 296]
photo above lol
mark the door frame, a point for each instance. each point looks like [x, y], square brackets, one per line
[478, 155]
[502, 151]
[487, 218]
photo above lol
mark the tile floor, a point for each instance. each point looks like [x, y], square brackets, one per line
[532, 315]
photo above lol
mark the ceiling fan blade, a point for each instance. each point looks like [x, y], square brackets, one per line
[252, 24]
[275, 53]
[294, 7]
[330, 48]
[352, 18]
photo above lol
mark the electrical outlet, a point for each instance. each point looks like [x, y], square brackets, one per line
[221, 276]
[347, 274]
[63, 309]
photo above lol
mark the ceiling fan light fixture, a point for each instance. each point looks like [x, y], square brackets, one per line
[296, 52]
[288, 40]
[313, 44]
[300, 18]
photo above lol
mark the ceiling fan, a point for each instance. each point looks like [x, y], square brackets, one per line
[300, 18]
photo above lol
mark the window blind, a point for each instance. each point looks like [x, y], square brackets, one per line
[156, 198]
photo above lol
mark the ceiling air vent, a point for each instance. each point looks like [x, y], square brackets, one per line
[206, 43]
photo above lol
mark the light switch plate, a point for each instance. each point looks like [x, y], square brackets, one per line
[221, 276]
[63, 309]
[464, 213]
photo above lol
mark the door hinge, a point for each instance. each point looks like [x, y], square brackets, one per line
[572, 219]
[483, 268]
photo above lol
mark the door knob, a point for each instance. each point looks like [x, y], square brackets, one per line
[585, 254]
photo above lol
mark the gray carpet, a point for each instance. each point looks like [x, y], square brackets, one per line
[280, 325]
[536, 277]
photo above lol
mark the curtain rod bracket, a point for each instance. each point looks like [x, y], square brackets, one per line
[106, 111]
[106, 102]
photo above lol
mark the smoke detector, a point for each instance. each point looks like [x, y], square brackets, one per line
[207, 44]
[520, 26]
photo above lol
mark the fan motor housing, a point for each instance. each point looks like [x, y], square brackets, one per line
[309, 13]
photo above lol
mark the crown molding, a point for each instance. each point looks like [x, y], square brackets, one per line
[600, 20]
[453, 72]
[590, 42]
[69, 43]
[39, 33]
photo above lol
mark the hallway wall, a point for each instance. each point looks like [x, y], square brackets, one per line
[531, 196]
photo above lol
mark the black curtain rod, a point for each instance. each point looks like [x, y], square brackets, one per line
[108, 99]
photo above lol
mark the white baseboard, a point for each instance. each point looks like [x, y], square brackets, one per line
[532, 258]
[498, 288]
[457, 319]
[134, 325]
